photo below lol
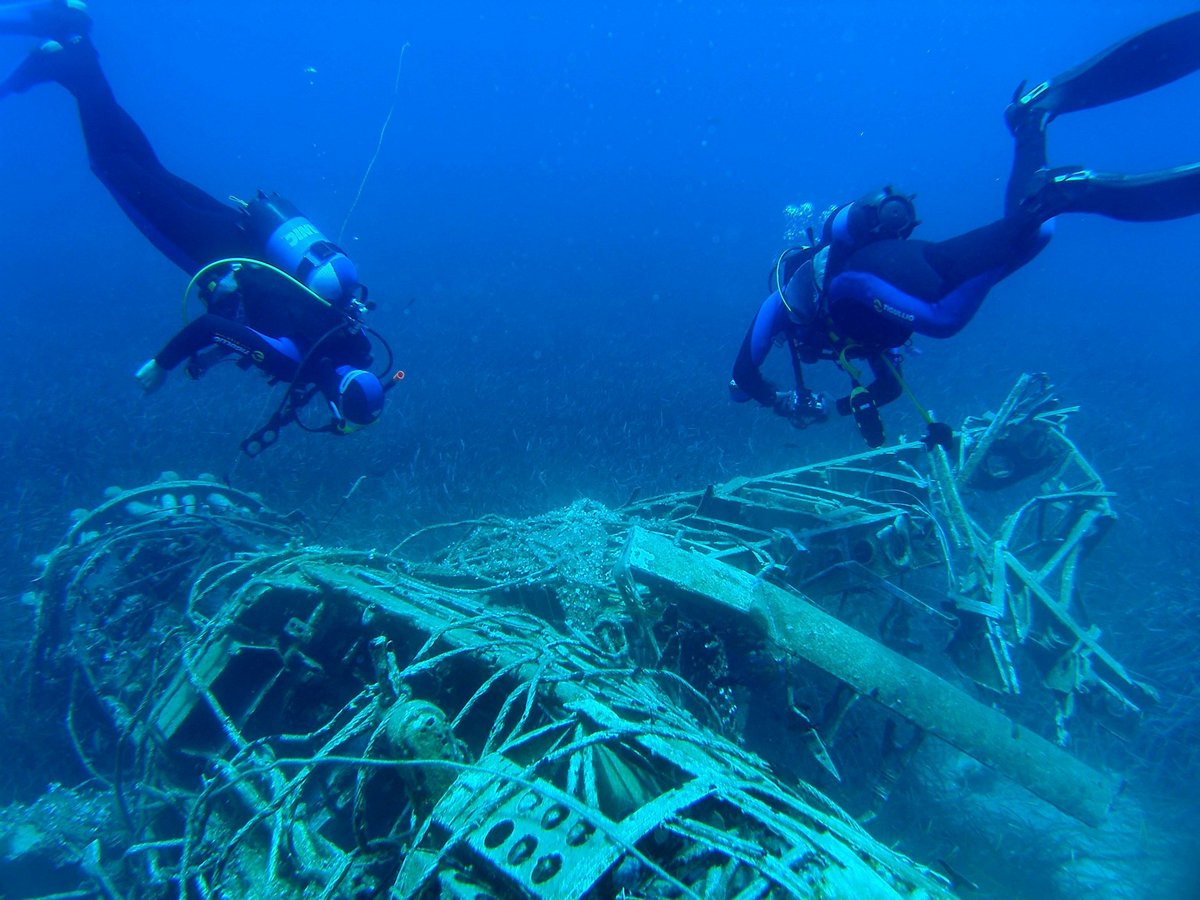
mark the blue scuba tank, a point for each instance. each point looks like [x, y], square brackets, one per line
[294, 244]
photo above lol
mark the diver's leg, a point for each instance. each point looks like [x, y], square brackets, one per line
[1029, 158]
[189, 226]
[1137, 64]
[1150, 197]
[929, 270]
[45, 18]
[997, 250]
[932, 288]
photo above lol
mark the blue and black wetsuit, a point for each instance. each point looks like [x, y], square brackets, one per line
[877, 289]
[268, 323]
[192, 228]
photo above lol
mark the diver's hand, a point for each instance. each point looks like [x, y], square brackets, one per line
[151, 376]
[861, 404]
[802, 409]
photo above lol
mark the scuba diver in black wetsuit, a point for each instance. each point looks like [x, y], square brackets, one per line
[279, 295]
[864, 288]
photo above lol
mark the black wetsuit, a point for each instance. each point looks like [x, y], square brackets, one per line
[874, 294]
[268, 323]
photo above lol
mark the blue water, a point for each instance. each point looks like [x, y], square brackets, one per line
[568, 229]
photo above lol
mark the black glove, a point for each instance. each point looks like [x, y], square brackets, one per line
[801, 408]
[866, 416]
[939, 435]
[202, 361]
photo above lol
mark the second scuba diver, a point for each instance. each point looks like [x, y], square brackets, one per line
[279, 295]
[857, 295]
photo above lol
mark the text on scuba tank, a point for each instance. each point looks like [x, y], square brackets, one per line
[299, 233]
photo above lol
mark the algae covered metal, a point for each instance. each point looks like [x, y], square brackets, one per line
[557, 706]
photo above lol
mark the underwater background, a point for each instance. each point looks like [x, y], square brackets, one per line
[568, 228]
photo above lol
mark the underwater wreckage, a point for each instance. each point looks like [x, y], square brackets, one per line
[569, 705]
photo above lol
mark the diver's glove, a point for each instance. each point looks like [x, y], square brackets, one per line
[151, 376]
[801, 408]
[201, 362]
[862, 406]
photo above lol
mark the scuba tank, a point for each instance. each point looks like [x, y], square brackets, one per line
[879, 215]
[293, 244]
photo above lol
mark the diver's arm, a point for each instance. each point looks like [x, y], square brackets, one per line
[748, 382]
[277, 357]
[349, 347]
[188, 341]
[747, 375]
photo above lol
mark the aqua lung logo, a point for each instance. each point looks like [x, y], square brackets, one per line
[300, 233]
[881, 307]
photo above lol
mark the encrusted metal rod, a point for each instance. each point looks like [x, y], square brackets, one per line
[158, 489]
[502, 672]
[1001, 420]
[920, 696]
[1085, 636]
[962, 528]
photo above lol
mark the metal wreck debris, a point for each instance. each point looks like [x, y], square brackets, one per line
[561, 706]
